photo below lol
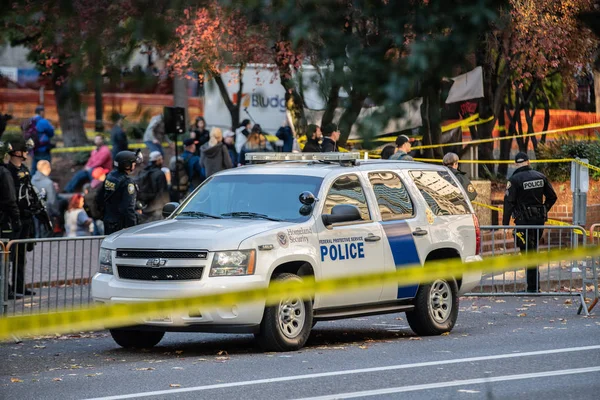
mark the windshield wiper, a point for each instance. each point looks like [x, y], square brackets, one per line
[246, 214]
[197, 214]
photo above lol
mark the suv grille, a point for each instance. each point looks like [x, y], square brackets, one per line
[160, 274]
[193, 255]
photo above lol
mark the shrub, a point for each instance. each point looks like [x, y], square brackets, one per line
[567, 147]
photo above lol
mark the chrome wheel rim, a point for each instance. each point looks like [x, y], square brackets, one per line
[292, 316]
[440, 301]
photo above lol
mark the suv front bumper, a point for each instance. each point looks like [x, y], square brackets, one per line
[107, 289]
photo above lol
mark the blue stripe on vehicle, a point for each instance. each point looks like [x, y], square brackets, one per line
[404, 251]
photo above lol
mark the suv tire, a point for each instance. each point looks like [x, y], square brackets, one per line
[436, 308]
[287, 325]
[136, 339]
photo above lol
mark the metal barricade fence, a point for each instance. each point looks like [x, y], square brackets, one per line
[3, 275]
[566, 278]
[43, 275]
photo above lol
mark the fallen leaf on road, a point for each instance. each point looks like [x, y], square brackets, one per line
[57, 379]
[399, 319]
[568, 301]
[178, 351]
[363, 347]
[500, 301]
[445, 334]
[414, 338]
[37, 346]
[175, 385]
[521, 309]
[145, 369]
[202, 359]
[16, 380]
[176, 368]
[92, 375]
[222, 359]
[522, 315]
[222, 353]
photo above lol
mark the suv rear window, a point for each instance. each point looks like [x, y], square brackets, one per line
[441, 193]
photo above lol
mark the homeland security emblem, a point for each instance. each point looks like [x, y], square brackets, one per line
[470, 188]
[131, 188]
[282, 239]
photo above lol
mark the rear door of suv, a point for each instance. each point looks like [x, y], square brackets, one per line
[452, 225]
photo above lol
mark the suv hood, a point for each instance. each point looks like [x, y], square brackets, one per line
[183, 234]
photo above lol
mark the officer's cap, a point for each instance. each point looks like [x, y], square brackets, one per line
[521, 157]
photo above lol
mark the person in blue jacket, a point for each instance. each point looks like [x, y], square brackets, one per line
[45, 132]
[285, 133]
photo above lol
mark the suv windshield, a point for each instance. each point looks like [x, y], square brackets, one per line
[269, 197]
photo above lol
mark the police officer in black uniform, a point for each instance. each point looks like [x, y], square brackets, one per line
[119, 193]
[10, 223]
[524, 201]
[28, 204]
[451, 161]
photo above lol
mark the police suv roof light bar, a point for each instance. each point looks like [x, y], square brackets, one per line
[326, 157]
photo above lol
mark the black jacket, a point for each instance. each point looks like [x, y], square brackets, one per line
[153, 190]
[465, 182]
[328, 145]
[24, 192]
[312, 146]
[119, 195]
[118, 140]
[527, 188]
[9, 210]
[215, 159]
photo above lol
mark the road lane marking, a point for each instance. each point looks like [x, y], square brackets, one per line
[349, 372]
[464, 382]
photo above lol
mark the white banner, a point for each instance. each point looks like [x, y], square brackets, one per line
[466, 86]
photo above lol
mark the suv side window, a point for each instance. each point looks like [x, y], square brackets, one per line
[440, 192]
[392, 197]
[347, 190]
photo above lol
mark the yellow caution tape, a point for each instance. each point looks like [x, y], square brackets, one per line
[479, 141]
[119, 315]
[550, 221]
[436, 160]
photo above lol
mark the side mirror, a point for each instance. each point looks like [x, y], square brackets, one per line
[307, 198]
[168, 209]
[342, 213]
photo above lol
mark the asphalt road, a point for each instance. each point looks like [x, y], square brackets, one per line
[510, 348]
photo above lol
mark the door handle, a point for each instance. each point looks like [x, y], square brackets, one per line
[419, 232]
[372, 238]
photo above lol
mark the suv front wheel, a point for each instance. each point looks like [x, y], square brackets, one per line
[436, 308]
[287, 324]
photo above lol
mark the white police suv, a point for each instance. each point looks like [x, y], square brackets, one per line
[323, 215]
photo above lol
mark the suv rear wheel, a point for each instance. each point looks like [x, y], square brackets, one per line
[436, 308]
[136, 339]
[286, 325]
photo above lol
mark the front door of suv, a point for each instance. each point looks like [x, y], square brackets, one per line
[350, 248]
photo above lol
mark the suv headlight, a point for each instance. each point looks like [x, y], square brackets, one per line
[105, 261]
[236, 262]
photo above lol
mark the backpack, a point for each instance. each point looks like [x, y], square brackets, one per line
[179, 171]
[29, 130]
[91, 205]
[145, 183]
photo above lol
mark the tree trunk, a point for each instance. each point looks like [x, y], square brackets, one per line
[180, 95]
[504, 145]
[68, 105]
[350, 115]
[99, 104]
[597, 89]
[431, 116]
[334, 95]
[234, 109]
